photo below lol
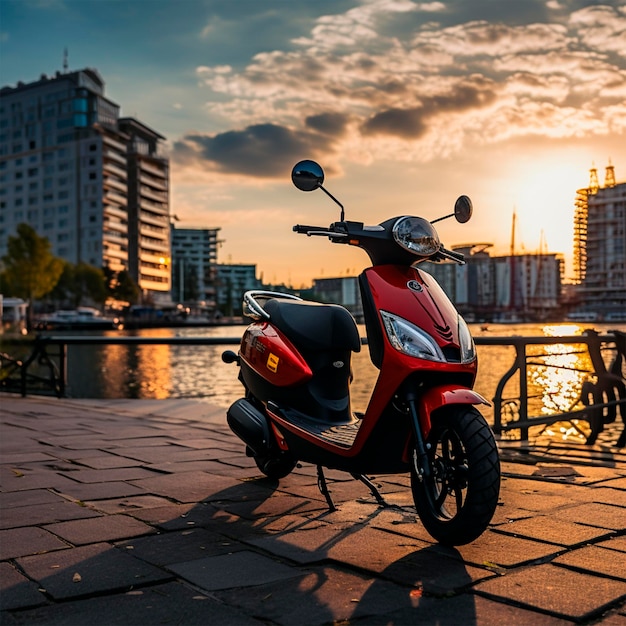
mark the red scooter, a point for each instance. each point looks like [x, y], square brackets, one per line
[295, 367]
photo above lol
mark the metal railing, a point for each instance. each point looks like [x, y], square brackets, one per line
[602, 397]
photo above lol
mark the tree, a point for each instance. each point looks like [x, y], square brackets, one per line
[89, 283]
[125, 288]
[30, 269]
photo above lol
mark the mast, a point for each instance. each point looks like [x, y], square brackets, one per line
[512, 302]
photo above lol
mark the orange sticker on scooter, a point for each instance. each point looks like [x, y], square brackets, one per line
[272, 363]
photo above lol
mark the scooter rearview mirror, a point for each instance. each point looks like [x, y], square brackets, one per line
[307, 175]
[463, 209]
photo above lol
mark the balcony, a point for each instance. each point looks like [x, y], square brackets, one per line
[151, 194]
[107, 140]
[150, 168]
[115, 157]
[113, 197]
[111, 168]
[159, 184]
[111, 182]
[112, 210]
[147, 244]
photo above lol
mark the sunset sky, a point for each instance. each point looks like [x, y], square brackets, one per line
[405, 104]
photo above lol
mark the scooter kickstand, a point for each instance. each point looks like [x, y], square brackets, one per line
[323, 487]
[372, 487]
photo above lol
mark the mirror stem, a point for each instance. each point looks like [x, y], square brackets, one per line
[445, 217]
[330, 195]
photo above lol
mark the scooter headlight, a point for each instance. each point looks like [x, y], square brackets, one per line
[468, 348]
[416, 235]
[410, 339]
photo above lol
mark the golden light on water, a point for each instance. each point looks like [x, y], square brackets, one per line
[556, 377]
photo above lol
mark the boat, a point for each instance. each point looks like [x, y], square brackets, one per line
[582, 316]
[82, 318]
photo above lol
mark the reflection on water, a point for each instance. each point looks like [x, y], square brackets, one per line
[162, 371]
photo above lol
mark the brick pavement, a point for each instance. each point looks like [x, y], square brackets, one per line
[149, 512]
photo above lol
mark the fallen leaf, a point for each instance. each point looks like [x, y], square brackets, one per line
[77, 578]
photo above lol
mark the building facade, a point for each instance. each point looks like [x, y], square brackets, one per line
[232, 282]
[601, 252]
[90, 181]
[194, 265]
[343, 290]
[523, 287]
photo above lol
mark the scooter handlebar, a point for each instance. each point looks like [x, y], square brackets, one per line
[305, 230]
[319, 231]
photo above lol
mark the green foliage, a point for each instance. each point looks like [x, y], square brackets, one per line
[30, 270]
[125, 288]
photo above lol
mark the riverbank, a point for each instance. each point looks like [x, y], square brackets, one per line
[148, 511]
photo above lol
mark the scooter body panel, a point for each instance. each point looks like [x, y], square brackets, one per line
[272, 356]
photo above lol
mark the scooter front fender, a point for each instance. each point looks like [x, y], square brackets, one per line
[443, 395]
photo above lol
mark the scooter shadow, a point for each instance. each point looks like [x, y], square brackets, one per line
[361, 562]
[258, 551]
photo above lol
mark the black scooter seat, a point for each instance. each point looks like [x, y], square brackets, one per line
[314, 326]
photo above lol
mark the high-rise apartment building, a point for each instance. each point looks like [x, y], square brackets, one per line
[92, 182]
[600, 246]
[194, 261]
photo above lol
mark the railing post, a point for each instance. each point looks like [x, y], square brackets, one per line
[520, 349]
[62, 368]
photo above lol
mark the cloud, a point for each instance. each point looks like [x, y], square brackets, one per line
[378, 79]
[261, 150]
[412, 122]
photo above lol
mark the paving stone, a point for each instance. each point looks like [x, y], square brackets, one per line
[168, 453]
[553, 530]
[307, 544]
[607, 495]
[106, 528]
[111, 475]
[274, 505]
[189, 487]
[180, 546]
[595, 514]
[29, 540]
[108, 461]
[38, 514]
[562, 592]
[129, 504]
[169, 604]
[100, 491]
[17, 458]
[17, 591]
[86, 570]
[326, 595]
[506, 551]
[10, 499]
[614, 543]
[239, 569]
[170, 517]
[462, 610]
[596, 559]
[14, 479]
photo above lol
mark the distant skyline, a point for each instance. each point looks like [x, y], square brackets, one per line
[405, 104]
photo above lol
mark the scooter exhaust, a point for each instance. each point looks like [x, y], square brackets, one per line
[250, 425]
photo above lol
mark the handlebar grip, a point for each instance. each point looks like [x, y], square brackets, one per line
[450, 254]
[301, 228]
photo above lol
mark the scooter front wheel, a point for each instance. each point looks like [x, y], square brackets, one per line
[458, 499]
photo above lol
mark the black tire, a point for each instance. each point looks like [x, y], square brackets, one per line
[456, 503]
[275, 467]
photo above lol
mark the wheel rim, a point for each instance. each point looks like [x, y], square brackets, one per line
[446, 488]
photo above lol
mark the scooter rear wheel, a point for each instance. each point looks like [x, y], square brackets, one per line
[457, 501]
[275, 466]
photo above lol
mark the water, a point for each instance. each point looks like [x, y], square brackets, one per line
[166, 371]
